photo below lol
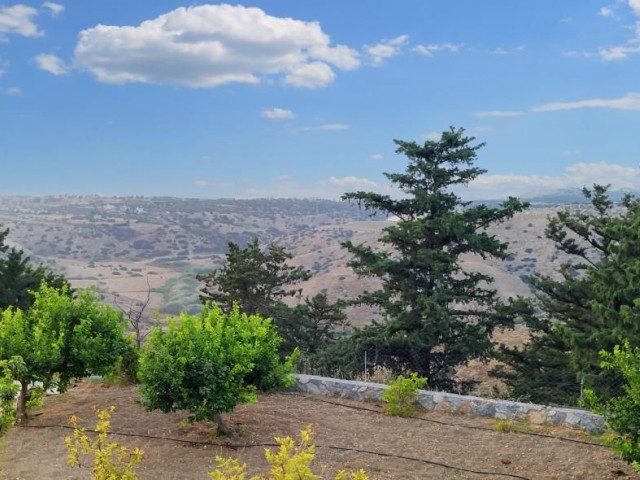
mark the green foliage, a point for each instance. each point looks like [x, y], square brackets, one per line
[518, 425]
[622, 412]
[258, 281]
[36, 397]
[60, 338]
[208, 363]
[18, 277]
[254, 279]
[125, 370]
[109, 460]
[592, 306]
[8, 392]
[311, 325]
[437, 317]
[401, 395]
[292, 461]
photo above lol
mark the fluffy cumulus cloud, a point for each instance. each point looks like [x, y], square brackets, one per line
[631, 101]
[380, 52]
[635, 6]
[18, 20]
[54, 8]
[278, 114]
[574, 176]
[51, 63]
[211, 45]
[432, 49]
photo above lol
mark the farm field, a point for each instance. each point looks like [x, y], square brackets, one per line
[348, 435]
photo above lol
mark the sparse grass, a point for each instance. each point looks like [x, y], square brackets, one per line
[504, 425]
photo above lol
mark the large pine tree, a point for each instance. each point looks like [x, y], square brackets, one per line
[436, 316]
[592, 306]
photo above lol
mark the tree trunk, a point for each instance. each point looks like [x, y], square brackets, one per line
[223, 428]
[21, 407]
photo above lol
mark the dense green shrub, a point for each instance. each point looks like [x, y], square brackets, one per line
[8, 392]
[622, 412]
[208, 363]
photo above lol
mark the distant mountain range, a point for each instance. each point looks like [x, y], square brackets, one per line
[560, 197]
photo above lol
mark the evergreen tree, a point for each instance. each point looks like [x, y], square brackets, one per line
[312, 325]
[256, 280]
[3, 235]
[19, 277]
[437, 316]
[591, 306]
[259, 281]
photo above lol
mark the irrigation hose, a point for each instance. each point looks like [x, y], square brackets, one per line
[430, 420]
[270, 444]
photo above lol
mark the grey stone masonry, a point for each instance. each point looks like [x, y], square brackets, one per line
[453, 403]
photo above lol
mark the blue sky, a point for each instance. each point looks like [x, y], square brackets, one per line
[290, 98]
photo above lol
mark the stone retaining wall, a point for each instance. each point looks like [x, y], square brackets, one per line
[450, 402]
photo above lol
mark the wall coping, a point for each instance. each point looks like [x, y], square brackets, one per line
[454, 403]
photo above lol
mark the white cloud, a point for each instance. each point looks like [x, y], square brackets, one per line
[341, 56]
[380, 52]
[566, 20]
[55, 8]
[18, 20]
[353, 182]
[377, 156]
[211, 45]
[52, 64]
[497, 114]
[620, 52]
[631, 101]
[605, 12]
[574, 176]
[505, 51]
[430, 50]
[278, 114]
[14, 91]
[632, 46]
[310, 75]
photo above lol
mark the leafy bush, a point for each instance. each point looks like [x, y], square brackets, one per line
[209, 363]
[125, 370]
[291, 461]
[60, 338]
[8, 392]
[401, 395]
[111, 461]
[622, 412]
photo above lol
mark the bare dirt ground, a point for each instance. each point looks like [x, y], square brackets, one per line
[347, 435]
